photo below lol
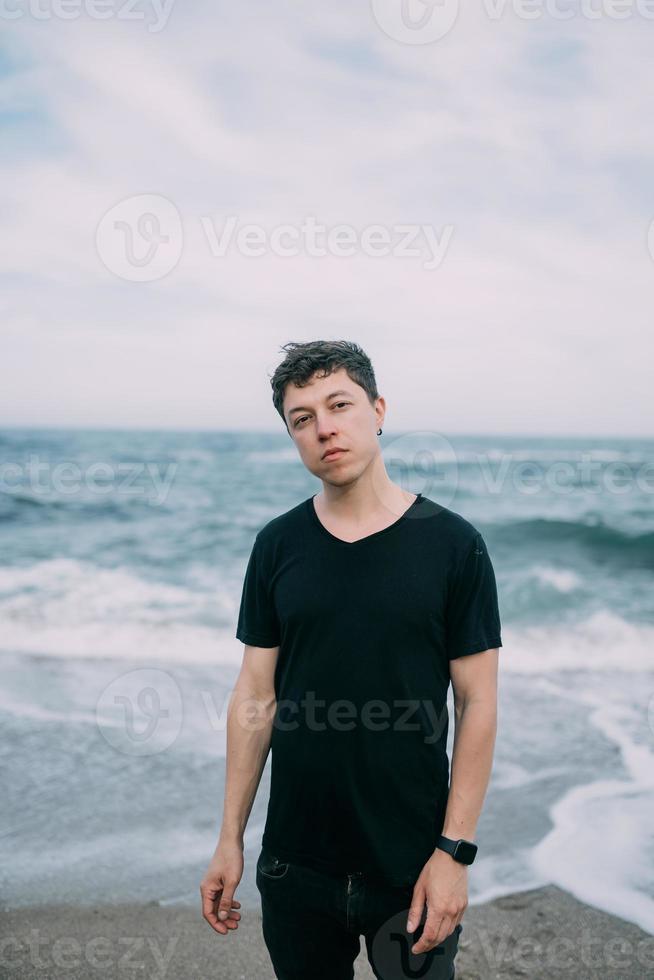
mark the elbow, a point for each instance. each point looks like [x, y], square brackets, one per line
[483, 705]
[253, 701]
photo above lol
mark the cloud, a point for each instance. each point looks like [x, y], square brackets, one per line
[528, 138]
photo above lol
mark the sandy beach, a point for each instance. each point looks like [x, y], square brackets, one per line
[539, 934]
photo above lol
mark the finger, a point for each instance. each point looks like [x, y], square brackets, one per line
[231, 923]
[430, 933]
[228, 925]
[220, 927]
[225, 904]
[209, 898]
[212, 919]
[446, 929]
[425, 943]
[415, 911]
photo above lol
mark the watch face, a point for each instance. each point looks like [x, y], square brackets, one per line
[465, 852]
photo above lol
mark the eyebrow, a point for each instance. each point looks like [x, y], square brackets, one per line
[332, 395]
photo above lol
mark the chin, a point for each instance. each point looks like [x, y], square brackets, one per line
[339, 479]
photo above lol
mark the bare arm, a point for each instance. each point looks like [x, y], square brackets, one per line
[443, 883]
[250, 718]
[249, 728]
[474, 683]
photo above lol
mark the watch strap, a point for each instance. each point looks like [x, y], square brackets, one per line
[452, 847]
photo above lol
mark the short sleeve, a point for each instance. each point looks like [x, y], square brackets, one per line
[257, 619]
[472, 617]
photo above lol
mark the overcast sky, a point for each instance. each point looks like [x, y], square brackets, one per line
[509, 159]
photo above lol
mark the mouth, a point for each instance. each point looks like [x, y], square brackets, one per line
[334, 454]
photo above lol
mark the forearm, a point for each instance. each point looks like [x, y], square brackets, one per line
[472, 760]
[249, 729]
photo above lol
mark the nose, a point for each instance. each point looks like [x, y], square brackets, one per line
[325, 427]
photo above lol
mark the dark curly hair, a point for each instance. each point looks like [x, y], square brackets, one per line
[325, 356]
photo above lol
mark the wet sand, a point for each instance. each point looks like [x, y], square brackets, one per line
[537, 934]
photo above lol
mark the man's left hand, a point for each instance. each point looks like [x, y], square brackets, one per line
[443, 885]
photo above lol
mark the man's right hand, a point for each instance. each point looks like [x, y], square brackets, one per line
[218, 886]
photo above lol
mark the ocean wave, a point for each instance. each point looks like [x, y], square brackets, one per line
[599, 540]
[65, 607]
[69, 608]
[24, 508]
[601, 641]
[561, 580]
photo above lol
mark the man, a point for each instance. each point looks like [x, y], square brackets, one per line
[359, 606]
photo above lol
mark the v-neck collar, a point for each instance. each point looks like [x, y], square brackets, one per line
[359, 541]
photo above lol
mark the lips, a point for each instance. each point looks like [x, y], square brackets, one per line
[334, 453]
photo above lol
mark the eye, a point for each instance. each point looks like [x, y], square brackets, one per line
[304, 417]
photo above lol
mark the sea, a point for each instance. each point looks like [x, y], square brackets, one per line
[122, 556]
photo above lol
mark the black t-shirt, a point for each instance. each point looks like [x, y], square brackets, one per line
[366, 630]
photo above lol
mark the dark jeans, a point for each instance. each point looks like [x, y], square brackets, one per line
[312, 923]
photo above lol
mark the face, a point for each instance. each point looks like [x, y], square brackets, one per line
[330, 412]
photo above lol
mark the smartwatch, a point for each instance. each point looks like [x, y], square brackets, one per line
[463, 851]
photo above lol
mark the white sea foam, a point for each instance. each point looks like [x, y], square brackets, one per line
[68, 608]
[597, 848]
[601, 641]
[564, 580]
[30, 709]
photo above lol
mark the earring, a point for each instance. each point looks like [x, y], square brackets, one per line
[379, 433]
